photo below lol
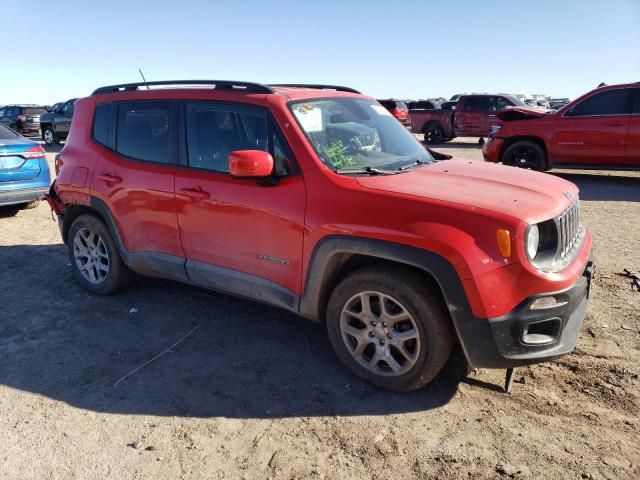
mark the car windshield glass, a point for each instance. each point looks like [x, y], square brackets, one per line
[355, 133]
[6, 134]
[33, 110]
[516, 101]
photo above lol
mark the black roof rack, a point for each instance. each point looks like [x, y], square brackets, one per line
[310, 85]
[219, 84]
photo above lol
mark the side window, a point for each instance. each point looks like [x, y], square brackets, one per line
[636, 102]
[611, 102]
[502, 103]
[143, 132]
[477, 104]
[101, 123]
[67, 111]
[214, 130]
[1, 112]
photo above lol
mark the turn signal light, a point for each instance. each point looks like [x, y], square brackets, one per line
[503, 236]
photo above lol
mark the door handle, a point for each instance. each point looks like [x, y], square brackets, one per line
[109, 178]
[616, 124]
[491, 116]
[195, 193]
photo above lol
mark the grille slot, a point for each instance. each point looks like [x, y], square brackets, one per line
[569, 228]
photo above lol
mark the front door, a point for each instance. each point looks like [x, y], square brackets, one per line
[239, 235]
[632, 153]
[472, 119]
[594, 131]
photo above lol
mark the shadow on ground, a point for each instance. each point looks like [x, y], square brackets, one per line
[245, 360]
[603, 186]
[470, 145]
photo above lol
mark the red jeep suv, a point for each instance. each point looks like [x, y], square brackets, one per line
[601, 129]
[316, 200]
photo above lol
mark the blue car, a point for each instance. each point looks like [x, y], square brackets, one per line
[24, 172]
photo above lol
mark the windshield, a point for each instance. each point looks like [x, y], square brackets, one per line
[358, 133]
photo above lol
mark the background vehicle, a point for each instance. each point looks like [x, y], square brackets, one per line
[56, 123]
[422, 105]
[24, 119]
[24, 172]
[473, 117]
[316, 200]
[601, 129]
[398, 109]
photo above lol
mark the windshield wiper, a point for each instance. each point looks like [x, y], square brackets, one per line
[413, 164]
[367, 170]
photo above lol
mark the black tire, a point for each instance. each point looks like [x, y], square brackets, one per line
[9, 211]
[49, 137]
[118, 276]
[29, 205]
[433, 134]
[431, 319]
[525, 154]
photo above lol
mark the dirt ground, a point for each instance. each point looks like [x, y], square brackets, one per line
[256, 393]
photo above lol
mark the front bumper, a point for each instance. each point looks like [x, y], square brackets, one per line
[491, 149]
[525, 336]
[15, 197]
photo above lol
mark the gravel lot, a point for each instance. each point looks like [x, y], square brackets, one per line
[255, 392]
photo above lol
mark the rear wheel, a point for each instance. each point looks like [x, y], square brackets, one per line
[94, 257]
[389, 328]
[433, 135]
[525, 154]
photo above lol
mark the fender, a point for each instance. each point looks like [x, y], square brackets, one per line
[331, 252]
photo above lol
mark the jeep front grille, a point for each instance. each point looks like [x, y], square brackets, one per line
[569, 230]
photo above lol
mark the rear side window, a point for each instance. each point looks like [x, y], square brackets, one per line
[477, 104]
[214, 130]
[101, 123]
[142, 131]
[636, 102]
[611, 102]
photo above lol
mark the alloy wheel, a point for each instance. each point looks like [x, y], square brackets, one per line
[91, 255]
[380, 333]
[48, 137]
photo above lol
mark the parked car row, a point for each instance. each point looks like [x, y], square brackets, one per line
[35, 121]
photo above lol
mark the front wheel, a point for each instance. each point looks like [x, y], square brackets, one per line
[525, 154]
[48, 136]
[389, 328]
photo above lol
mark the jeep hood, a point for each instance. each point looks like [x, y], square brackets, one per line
[521, 113]
[523, 194]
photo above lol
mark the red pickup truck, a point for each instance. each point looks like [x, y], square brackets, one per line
[601, 129]
[473, 117]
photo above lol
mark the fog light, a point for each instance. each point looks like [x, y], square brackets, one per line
[546, 302]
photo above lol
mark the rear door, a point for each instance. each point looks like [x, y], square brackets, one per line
[632, 154]
[134, 177]
[239, 233]
[471, 119]
[594, 131]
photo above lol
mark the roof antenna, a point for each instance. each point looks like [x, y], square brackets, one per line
[143, 79]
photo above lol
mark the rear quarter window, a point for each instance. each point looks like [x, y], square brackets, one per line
[6, 134]
[102, 124]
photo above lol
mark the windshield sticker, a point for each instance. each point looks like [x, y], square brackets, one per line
[381, 110]
[309, 117]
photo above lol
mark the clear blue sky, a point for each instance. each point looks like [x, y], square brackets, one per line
[53, 50]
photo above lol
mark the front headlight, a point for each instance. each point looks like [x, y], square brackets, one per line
[532, 241]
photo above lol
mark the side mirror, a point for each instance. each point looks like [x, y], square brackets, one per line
[250, 163]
